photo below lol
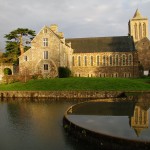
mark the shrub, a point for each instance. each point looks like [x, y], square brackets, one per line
[64, 72]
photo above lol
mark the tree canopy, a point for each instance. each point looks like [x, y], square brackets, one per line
[17, 42]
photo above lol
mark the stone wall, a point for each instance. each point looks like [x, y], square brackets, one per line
[110, 69]
[5, 65]
[143, 48]
[48, 52]
[60, 94]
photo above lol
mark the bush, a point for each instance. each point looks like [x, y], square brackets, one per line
[64, 72]
[7, 79]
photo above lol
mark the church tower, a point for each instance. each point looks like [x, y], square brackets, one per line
[138, 26]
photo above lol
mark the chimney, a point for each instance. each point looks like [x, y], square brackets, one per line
[61, 34]
[54, 28]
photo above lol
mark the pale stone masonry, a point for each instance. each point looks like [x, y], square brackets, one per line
[122, 56]
[138, 26]
[48, 52]
[108, 57]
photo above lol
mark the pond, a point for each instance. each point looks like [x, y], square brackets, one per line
[29, 125]
[117, 119]
[38, 124]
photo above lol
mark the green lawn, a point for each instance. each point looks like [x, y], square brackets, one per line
[103, 84]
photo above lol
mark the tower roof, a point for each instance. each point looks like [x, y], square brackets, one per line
[137, 15]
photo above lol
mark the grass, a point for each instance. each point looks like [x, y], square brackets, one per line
[68, 84]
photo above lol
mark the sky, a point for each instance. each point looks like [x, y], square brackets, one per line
[76, 18]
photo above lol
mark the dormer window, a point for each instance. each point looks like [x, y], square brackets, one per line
[45, 42]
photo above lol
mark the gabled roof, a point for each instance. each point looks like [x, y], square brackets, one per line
[102, 44]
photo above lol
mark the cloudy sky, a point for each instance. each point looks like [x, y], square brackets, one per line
[76, 18]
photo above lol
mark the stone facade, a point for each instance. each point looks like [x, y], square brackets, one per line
[48, 52]
[143, 48]
[113, 67]
[138, 28]
[4, 66]
[89, 57]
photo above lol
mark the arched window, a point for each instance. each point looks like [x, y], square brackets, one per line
[85, 60]
[110, 60]
[104, 60]
[91, 60]
[7, 71]
[98, 61]
[144, 30]
[79, 61]
[130, 60]
[140, 31]
[116, 60]
[123, 60]
[73, 61]
[136, 31]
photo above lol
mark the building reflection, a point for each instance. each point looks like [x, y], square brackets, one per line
[135, 107]
[140, 119]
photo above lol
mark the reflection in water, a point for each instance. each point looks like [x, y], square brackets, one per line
[38, 125]
[33, 126]
[126, 118]
[140, 120]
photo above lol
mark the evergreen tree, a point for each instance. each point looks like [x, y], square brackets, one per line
[17, 42]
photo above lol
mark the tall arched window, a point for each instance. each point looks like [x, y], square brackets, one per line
[130, 59]
[104, 60]
[73, 61]
[79, 61]
[123, 60]
[91, 60]
[85, 60]
[98, 61]
[110, 60]
[136, 31]
[116, 60]
[144, 30]
[140, 31]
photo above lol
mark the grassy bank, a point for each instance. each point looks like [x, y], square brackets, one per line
[102, 84]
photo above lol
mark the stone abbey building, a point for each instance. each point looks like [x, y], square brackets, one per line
[122, 56]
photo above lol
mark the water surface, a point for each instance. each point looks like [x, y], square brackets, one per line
[35, 126]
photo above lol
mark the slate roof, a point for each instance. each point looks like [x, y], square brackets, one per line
[102, 44]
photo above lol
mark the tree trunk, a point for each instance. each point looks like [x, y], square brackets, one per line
[21, 45]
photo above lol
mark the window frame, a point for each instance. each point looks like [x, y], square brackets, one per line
[45, 67]
[45, 55]
[45, 42]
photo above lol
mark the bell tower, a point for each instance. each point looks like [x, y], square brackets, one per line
[138, 26]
